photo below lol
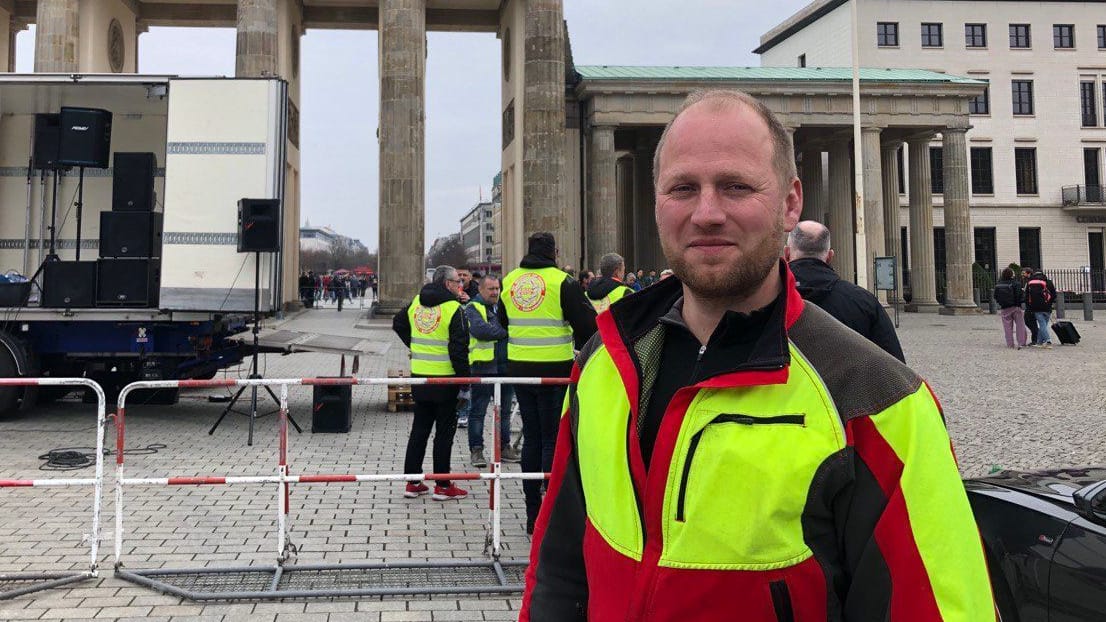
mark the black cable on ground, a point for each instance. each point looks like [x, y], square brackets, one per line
[73, 458]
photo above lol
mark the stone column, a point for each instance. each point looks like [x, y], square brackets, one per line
[402, 150]
[958, 224]
[923, 280]
[602, 209]
[814, 192]
[256, 52]
[891, 227]
[647, 246]
[544, 207]
[624, 245]
[841, 210]
[873, 201]
[56, 36]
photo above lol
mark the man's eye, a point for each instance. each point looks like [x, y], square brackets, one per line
[682, 189]
[737, 187]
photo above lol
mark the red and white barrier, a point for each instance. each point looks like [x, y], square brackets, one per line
[96, 482]
[282, 478]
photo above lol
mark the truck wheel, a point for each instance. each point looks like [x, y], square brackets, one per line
[13, 357]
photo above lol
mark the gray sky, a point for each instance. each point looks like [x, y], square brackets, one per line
[340, 97]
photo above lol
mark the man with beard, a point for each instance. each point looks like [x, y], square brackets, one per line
[730, 451]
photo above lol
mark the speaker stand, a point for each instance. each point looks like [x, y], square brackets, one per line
[52, 254]
[254, 374]
[80, 208]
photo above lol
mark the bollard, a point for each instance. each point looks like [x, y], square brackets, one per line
[1060, 305]
[992, 306]
[1088, 307]
[976, 296]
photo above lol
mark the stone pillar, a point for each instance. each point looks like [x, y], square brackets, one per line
[891, 226]
[402, 150]
[602, 208]
[873, 201]
[958, 224]
[257, 39]
[14, 27]
[624, 245]
[56, 36]
[647, 246]
[814, 192]
[841, 210]
[923, 280]
[544, 168]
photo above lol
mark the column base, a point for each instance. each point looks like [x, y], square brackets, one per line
[960, 309]
[922, 307]
[387, 308]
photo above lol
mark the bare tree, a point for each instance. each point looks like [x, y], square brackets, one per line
[447, 251]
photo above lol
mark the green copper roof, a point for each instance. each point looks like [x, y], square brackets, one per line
[867, 74]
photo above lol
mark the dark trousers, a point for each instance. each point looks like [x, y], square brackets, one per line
[540, 408]
[439, 414]
[1031, 324]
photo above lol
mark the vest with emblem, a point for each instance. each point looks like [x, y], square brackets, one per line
[605, 302]
[430, 338]
[536, 331]
[480, 351]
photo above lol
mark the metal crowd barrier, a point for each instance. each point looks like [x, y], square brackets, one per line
[17, 584]
[283, 580]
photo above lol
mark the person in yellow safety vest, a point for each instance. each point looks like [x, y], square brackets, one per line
[732, 452]
[433, 326]
[608, 288]
[547, 317]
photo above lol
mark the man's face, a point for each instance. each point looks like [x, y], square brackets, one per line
[721, 208]
[489, 290]
[466, 276]
[453, 283]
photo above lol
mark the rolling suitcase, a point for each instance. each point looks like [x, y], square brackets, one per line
[1066, 332]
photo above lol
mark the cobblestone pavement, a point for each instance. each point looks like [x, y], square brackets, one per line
[1018, 409]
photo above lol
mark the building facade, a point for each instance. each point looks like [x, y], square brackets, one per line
[1037, 142]
[477, 233]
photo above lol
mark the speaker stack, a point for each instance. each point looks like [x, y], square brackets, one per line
[258, 226]
[129, 269]
[331, 408]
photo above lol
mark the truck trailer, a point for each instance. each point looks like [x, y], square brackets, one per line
[76, 303]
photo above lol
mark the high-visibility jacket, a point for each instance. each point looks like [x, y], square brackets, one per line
[823, 488]
[536, 327]
[430, 338]
[605, 302]
[480, 351]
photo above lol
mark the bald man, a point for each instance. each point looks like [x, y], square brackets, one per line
[809, 254]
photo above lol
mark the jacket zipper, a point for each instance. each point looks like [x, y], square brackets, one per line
[781, 601]
[693, 446]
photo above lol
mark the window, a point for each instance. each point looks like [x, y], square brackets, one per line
[980, 104]
[802, 60]
[1023, 96]
[1063, 36]
[932, 36]
[1029, 246]
[1025, 169]
[975, 35]
[488, 239]
[902, 170]
[983, 181]
[487, 213]
[1087, 104]
[937, 170]
[887, 34]
[1102, 36]
[1019, 36]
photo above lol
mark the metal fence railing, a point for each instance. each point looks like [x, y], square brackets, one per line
[1083, 195]
[1074, 282]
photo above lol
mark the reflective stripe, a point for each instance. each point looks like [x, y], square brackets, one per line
[422, 341]
[537, 322]
[419, 356]
[484, 345]
[539, 341]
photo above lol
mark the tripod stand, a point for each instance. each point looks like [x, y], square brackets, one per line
[254, 374]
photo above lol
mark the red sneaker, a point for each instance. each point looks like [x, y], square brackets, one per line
[441, 493]
[414, 490]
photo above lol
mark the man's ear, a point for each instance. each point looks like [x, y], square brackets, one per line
[829, 256]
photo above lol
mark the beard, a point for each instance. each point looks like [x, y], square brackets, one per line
[738, 280]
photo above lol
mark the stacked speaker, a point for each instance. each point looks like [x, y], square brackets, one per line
[129, 269]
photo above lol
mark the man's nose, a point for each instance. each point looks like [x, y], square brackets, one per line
[708, 209]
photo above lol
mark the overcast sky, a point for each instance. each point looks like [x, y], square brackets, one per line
[340, 98]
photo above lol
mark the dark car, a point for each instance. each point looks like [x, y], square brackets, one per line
[1045, 537]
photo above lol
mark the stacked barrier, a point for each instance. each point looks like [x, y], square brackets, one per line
[17, 584]
[323, 580]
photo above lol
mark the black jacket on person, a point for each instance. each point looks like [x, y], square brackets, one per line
[602, 286]
[433, 295]
[1039, 293]
[849, 304]
[1008, 293]
[577, 311]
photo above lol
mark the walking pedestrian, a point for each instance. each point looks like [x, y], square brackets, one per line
[1009, 297]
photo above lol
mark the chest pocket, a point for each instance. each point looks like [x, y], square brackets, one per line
[739, 481]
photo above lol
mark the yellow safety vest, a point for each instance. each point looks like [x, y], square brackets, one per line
[536, 331]
[430, 338]
[616, 294]
[480, 351]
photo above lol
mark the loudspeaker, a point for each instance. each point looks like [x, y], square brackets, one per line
[69, 284]
[258, 225]
[128, 282]
[132, 182]
[47, 141]
[130, 234]
[330, 408]
[85, 137]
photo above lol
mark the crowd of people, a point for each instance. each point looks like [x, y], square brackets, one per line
[1025, 307]
[795, 504]
[335, 287]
